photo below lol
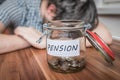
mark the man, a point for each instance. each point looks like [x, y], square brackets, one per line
[29, 15]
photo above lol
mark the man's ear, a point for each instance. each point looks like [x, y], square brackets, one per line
[50, 12]
[51, 9]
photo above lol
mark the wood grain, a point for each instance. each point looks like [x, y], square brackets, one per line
[20, 65]
[31, 64]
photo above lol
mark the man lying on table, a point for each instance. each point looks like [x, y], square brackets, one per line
[29, 15]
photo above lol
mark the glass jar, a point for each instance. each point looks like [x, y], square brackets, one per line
[66, 46]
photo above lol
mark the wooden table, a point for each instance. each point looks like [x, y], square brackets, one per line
[31, 64]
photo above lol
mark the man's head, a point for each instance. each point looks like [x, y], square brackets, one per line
[73, 10]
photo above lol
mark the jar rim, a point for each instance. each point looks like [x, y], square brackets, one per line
[65, 25]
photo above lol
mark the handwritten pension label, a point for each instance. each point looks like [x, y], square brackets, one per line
[63, 48]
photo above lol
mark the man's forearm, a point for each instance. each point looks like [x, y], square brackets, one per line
[10, 43]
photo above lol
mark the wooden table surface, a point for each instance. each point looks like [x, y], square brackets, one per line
[31, 64]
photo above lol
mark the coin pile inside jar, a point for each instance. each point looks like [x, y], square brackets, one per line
[65, 65]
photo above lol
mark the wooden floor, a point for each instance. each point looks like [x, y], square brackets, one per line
[31, 64]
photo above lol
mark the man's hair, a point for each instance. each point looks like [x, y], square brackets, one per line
[76, 10]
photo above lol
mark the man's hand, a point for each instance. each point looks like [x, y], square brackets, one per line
[31, 35]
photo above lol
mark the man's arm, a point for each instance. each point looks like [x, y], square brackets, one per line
[103, 32]
[10, 43]
[31, 35]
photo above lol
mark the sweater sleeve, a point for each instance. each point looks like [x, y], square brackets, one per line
[9, 12]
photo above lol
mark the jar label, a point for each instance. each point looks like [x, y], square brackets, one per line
[63, 48]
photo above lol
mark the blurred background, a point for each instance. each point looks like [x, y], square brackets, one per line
[109, 14]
